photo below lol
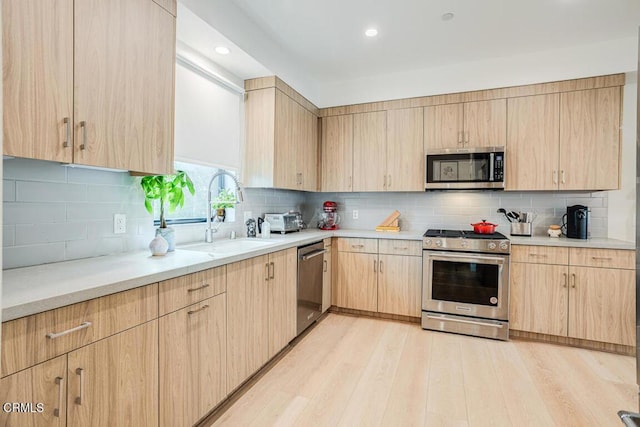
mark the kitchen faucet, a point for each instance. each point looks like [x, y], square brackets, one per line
[208, 236]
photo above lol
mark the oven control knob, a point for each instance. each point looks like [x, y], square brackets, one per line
[491, 245]
[504, 246]
[464, 244]
[427, 242]
[438, 243]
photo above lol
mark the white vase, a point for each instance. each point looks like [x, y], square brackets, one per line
[158, 246]
[169, 235]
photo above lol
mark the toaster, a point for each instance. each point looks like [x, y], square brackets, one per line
[282, 222]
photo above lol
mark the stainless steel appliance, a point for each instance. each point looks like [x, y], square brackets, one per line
[310, 268]
[465, 283]
[283, 222]
[465, 168]
[577, 222]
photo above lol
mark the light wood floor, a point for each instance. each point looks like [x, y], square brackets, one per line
[356, 371]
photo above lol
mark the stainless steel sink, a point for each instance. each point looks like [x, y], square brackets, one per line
[223, 248]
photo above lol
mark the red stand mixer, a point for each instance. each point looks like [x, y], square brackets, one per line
[329, 219]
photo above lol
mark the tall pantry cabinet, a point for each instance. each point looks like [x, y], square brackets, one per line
[90, 82]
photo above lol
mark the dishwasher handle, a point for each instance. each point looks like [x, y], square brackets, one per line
[313, 254]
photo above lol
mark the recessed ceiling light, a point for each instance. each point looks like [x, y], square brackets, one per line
[447, 16]
[222, 50]
[371, 32]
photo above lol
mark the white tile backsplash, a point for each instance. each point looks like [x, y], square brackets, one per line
[54, 213]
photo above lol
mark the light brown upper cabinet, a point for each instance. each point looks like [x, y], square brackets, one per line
[566, 141]
[337, 153]
[281, 142]
[405, 150]
[590, 139]
[369, 151]
[533, 133]
[469, 124]
[90, 82]
[388, 151]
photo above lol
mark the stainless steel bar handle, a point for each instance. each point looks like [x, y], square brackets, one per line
[83, 127]
[357, 246]
[565, 280]
[448, 319]
[80, 372]
[266, 271]
[389, 181]
[350, 181]
[555, 176]
[324, 262]
[460, 138]
[400, 248]
[204, 307]
[199, 288]
[601, 258]
[562, 180]
[57, 411]
[380, 266]
[54, 335]
[573, 276]
[314, 254]
[67, 141]
[375, 265]
[468, 136]
[273, 270]
[384, 183]
[538, 255]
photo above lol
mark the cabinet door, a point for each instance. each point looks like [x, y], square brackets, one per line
[602, 305]
[326, 280]
[286, 173]
[281, 299]
[538, 298]
[443, 127]
[533, 143]
[37, 40]
[114, 382]
[193, 361]
[247, 319]
[369, 151]
[337, 153]
[123, 85]
[43, 384]
[357, 286]
[399, 285]
[590, 139]
[405, 150]
[308, 150]
[485, 123]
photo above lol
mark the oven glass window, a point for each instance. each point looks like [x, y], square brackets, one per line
[465, 282]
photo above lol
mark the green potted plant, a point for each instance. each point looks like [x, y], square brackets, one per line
[169, 189]
[226, 199]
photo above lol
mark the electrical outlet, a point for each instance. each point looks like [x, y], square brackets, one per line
[355, 214]
[247, 215]
[119, 223]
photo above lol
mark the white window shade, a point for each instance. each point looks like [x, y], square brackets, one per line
[207, 121]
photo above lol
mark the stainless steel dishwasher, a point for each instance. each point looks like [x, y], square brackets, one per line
[309, 284]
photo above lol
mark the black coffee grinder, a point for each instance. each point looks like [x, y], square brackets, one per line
[576, 221]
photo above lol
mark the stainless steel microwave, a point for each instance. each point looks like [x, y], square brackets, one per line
[465, 168]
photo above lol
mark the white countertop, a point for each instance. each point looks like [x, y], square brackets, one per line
[31, 290]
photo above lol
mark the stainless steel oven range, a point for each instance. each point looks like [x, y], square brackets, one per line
[465, 283]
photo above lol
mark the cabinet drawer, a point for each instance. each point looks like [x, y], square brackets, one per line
[540, 254]
[34, 339]
[607, 258]
[400, 247]
[185, 290]
[369, 246]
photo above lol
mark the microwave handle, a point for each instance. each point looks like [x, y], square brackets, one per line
[492, 159]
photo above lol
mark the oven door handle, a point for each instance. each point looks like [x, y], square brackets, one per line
[471, 322]
[449, 256]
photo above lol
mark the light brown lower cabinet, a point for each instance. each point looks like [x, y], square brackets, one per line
[550, 295]
[326, 276]
[44, 384]
[389, 282]
[114, 382]
[282, 299]
[193, 361]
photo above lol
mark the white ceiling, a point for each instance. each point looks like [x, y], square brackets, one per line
[324, 40]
